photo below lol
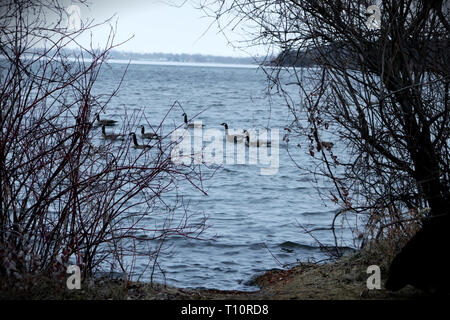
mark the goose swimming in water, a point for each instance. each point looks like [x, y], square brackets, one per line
[111, 136]
[148, 135]
[106, 122]
[232, 137]
[258, 143]
[137, 145]
[188, 124]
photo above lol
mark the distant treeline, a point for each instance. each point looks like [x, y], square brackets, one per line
[183, 57]
[285, 58]
[341, 53]
[297, 58]
[157, 57]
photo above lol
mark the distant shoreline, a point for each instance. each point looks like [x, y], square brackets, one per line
[181, 58]
[185, 64]
[158, 59]
[163, 63]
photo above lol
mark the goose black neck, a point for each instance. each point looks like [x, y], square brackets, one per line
[135, 140]
[98, 117]
[142, 130]
[185, 118]
[103, 130]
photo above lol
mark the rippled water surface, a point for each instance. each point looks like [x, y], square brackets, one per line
[254, 219]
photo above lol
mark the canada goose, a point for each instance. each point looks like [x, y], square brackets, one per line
[148, 135]
[105, 122]
[258, 143]
[137, 145]
[191, 125]
[94, 150]
[232, 137]
[111, 136]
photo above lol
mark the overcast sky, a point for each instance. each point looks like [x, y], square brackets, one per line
[159, 26]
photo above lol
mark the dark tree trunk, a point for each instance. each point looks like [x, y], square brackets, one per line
[421, 263]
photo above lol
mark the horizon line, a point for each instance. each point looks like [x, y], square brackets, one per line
[192, 54]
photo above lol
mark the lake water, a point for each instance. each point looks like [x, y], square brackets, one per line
[254, 219]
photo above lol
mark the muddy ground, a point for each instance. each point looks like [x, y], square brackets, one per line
[343, 279]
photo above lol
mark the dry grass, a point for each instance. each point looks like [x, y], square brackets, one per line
[343, 279]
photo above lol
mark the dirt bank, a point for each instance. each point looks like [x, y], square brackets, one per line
[343, 279]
